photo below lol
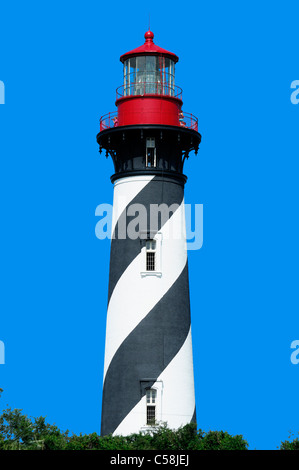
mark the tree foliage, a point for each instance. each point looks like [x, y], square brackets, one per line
[18, 431]
[290, 444]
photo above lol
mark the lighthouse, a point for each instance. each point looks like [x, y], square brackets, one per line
[148, 366]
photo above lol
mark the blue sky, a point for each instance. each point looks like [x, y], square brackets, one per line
[60, 66]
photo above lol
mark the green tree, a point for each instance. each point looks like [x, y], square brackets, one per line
[220, 440]
[290, 445]
[18, 431]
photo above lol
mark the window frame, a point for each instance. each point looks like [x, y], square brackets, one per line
[151, 405]
[151, 254]
[144, 237]
[158, 386]
[150, 144]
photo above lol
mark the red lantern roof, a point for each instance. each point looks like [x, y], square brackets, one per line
[149, 48]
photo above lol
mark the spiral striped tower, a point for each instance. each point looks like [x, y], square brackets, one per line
[148, 368]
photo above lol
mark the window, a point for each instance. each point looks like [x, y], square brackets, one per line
[127, 78]
[151, 391]
[149, 75]
[151, 255]
[150, 152]
[151, 396]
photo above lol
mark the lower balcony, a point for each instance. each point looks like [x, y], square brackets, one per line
[139, 117]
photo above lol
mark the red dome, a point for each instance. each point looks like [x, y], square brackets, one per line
[149, 48]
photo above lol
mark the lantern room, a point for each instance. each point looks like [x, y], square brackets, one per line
[149, 70]
[149, 94]
[149, 75]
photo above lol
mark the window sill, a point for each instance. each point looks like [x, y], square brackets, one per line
[151, 273]
[148, 428]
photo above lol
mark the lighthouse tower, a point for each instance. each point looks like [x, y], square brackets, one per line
[148, 369]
